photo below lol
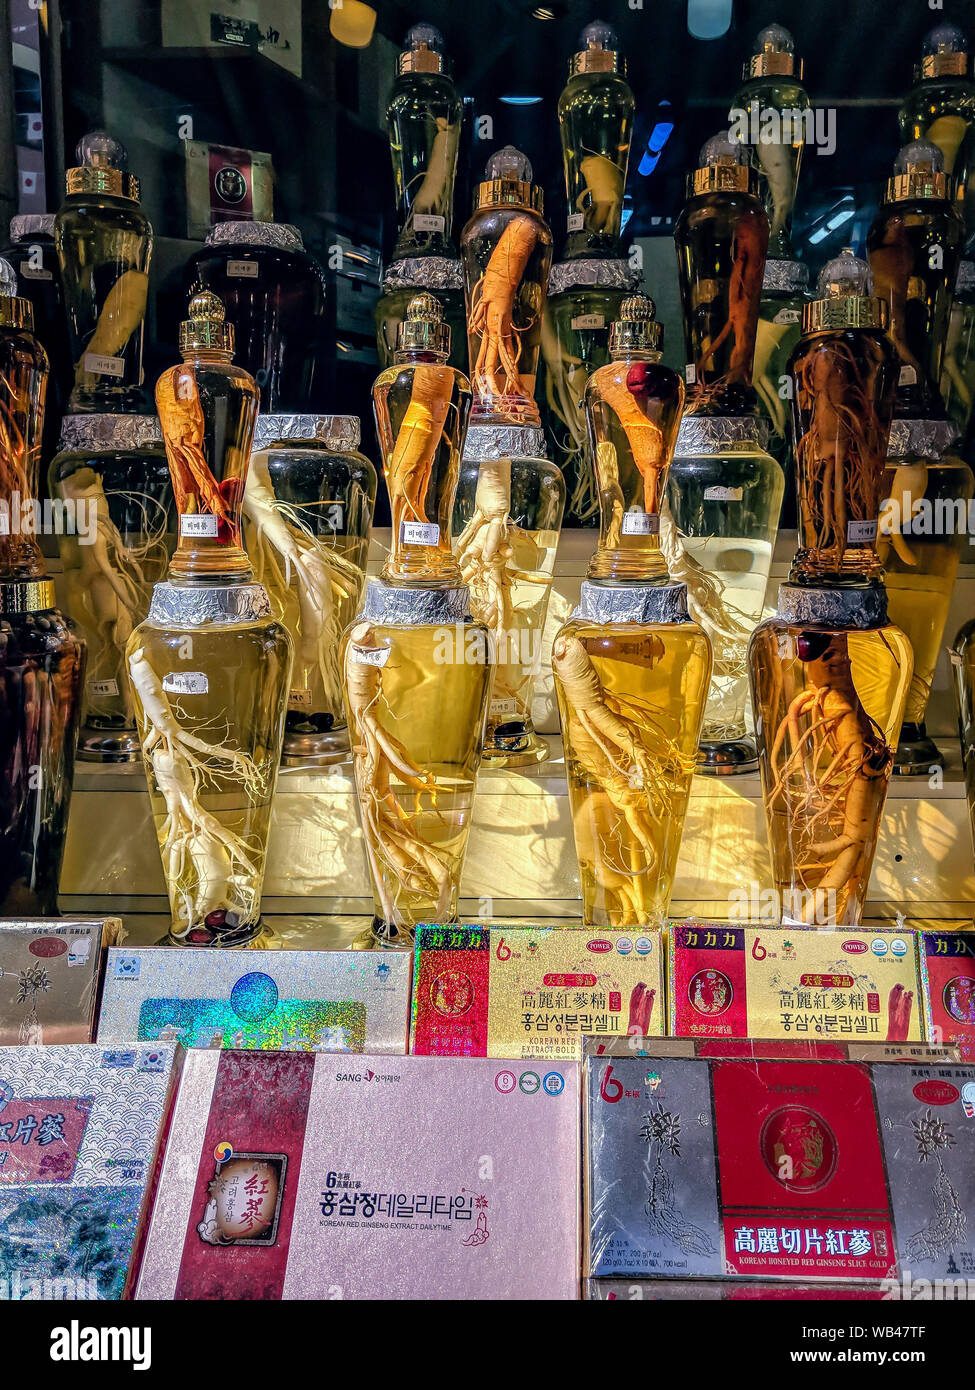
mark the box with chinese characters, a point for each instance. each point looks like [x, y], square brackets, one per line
[302, 1175]
[707, 1291]
[49, 974]
[328, 1001]
[948, 970]
[845, 985]
[80, 1130]
[532, 992]
[778, 1170]
[776, 1050]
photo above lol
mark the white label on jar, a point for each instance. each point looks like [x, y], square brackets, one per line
[787, 316]
[243, 270]
[30, 272]
[690, 374]
[427, 222]
[369, 656]
[419, 533]
[108, 687]
[637, 523]
[198, 524]
[589, 321]
[719, 493]
[861, 532]
[97, 365]
[185, 683]
[503, 707]
[299, 699]
[908, 376]
[575, 222]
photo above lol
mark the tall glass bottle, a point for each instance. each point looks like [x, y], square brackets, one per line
[941, 108]
[273, 292]
[416, 671]
[104, 245]
[41, 658]
[210, 667]
[308, 506]
[784, 292]
[596, 123]
[914, 247]
[843, 374]
[111, 475]
[958, 365]
[631, 669]
[507, 517]
[721, 237]
[923, 530]
[506, 248]
[767, 116]
[423, 119]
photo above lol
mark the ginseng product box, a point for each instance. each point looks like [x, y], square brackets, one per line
[49, 973]
[948, 969]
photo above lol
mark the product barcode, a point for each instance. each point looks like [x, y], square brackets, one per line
[861, 532]
[243, 270]
[106, 687]
[717, 492]
[299, 699]
[369, 656]
[427, 222]
[589, 321]
[185, 683]
[97, 365]
[419, 533]
[575, 222]
[198, 524]
[639, 523]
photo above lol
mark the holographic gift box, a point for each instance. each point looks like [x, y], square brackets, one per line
[302, 1175]
[79, 1132]
[308, 1001]
[778, 1170]
[532, 992]
[49, 973]
[773, 982]
[948, 972]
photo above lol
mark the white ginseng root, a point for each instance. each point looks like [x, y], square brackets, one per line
[397, 852]
[209, 865]
[287, 555]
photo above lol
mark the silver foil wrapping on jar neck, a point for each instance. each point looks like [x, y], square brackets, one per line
[785, 277]
[28, 224]
[964, 280]
[854, 608]
[632, 603]
[927, 439]
[200, 605]
[709, 434]
[504, 442]
[105, 433]
[593, 274]
[386, 603]
[282, 236]
[423, 273]
[335, 431]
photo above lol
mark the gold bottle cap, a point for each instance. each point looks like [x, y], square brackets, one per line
[102, 168]
[206, 328]
[423, 51]
[722, 168]
[773, 55]
[14, 311]
[598, 51]
[508, 182]
[636, 329]
[844, 297]
[919, 172]
[26, 595]
[944, 53]
[423, 329]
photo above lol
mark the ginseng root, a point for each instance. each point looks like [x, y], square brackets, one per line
[645, 439]
[430, 195]
[397, 852]
[492, 311]
[122, 312]
[185, 430]
[412, 456]
[831, 764]
[906, 490]
[565, 383]
[744, 293]
[603, 192]
[627, 757]
[325, 584]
